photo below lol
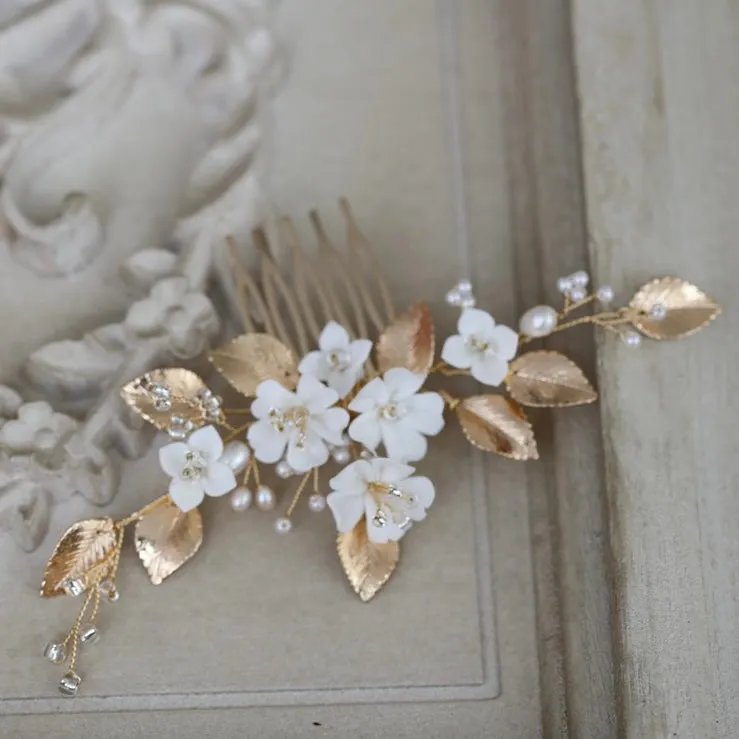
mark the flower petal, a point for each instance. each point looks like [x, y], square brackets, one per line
[360, 351]
[366, 430]
[347, 510]
[330, 425]
[373, 395]
[334, 336]
[220, 479]
[457, 353]
[208, 442]
[389, 470]
[380, 534]
[489, 369]
[312, 453]
[422, 489]
[402, 383]
[270, 394]
[353, 478]
[186, 495]
[425, 413]
[342, 380]
[267, 442]
[402, 442]
[314, 364]
[475, 322]
[314, 395]
[506, 339]
[172, 458]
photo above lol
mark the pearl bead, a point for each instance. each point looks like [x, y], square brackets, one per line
[283, 469]
[605, 294]
[236, 455]
[539, 321]
[564, 284]
[341, 455]
[631, 338]
[453, 297]
[283, 525]
[577, 294]
[580, 278]
[266, 499]
[464, 286]
[468, 302]
[317, 502]
[241, 499]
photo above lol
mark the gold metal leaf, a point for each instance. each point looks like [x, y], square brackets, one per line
[547, 379]
[495, 424]
[252, 358]
[166, 538]
[688, 309]
[183, 385]
[367, 565]
[408, 341]
[81, 554]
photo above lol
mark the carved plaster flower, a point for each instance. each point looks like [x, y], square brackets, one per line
[339, 362]
[305, 422]
[385, 492]
[481, 347]
[196, 468]
[37, 429]
[393, 412]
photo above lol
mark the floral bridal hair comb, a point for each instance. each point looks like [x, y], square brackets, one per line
[338, 418]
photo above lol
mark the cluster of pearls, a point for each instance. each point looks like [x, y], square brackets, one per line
[461, 295]
[574, 286]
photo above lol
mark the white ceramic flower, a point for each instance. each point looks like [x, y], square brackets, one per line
[481, 347]
[304, 421]
[339, 362]
[196, 468]
[385, 492]
[393, 412]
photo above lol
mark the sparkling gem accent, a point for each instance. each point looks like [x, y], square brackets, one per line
[195, 466]
[108, 589]
[283, 525]
[89, 634]
[69, 684]
[339, 359]
[631, 338]
[55, 652]
[317, 502]
[73, 586]
[266, 499]
[658, 311]
[179, 428]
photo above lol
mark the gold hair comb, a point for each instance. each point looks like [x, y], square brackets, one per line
[338, 418]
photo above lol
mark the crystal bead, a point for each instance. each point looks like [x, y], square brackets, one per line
[179, 428]
[160, 392]
[69, 684]
[204, 395]
[341, 455]
[283, 525]
[89, 634]
[241, 499]
[108, 590]
[266, 499]
[317, 502]
[73, 586]
[163, 404]
[55, 652]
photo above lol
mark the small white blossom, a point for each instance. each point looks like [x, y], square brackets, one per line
[481, 347]
[385, 492]
[196, 468]
[394, 413]
[304, 421]
[339, 362]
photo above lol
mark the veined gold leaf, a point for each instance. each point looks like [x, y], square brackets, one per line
[83, 554]
[687, 308]
[547, 379]
[252, 358]
[367, 565]
[408, 341]
[183, 386]
[166, 538]
[495, 424]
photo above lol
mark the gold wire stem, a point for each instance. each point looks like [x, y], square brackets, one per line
[315, 480]
[442, 368]
[298, 493]
[449, 400]
[570, 307]
[236, 411]
[142, 511]
[236, 431]
[257, 475]
[247, 472]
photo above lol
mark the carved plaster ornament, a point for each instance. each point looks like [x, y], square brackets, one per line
[334, 404]
[129, 140]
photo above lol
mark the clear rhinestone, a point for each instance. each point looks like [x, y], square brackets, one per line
[89, 634]
[69, 684]
[379, 519]
[73, 586]
[108, 590]
[163, 404]
[55, 652]
[160, 391]
[658, 311]
[203, 396]
[195, 466]
[317, 502]
[179, 428]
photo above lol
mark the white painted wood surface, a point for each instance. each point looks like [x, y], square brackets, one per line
[659, 93]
